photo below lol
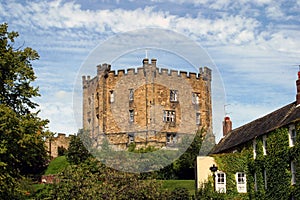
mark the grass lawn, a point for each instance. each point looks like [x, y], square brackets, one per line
[172, 184]
[57, 165]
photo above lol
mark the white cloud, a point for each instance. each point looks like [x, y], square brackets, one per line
[273, 11]
[252, 48]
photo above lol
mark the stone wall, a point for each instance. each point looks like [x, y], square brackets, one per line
[138, 104]
[53, 143]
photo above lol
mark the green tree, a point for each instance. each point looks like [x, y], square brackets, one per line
[77, 152]
[185, 164]
[93, 180]
[22, 150]
[16, 74]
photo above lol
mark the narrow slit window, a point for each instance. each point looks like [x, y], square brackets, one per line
[292, 135]
[131, 116]
[131, 95]
[293, 171]
[254, 148]
[173, 95]
[265, 145]
[112, 96]
[198, 118]
[130, 138]
[195, 98]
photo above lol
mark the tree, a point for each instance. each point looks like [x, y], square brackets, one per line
[16, 73]
[93, 180]
[77, 152]
[22, 150]
[184, 165]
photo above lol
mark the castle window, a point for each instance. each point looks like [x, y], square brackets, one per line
[293, 171]
[198, 118]
[220, 181]
[169, 116]
[171, 138]
[292, 135]
[130, 138]
[173, 95]
[131, 115]
[265, 145]
[241, 182]
[195, 98]
[131, 94]
[112, 96]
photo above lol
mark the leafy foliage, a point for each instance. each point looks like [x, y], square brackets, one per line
[184, 166]
[77, 152]
[180, 194]
[22, 150]
[207, 192]
[16, 73]
[276, 164]
[92, 180]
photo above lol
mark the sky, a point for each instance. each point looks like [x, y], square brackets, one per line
[254, 47]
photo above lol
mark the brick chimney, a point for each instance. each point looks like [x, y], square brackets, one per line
[227, 125]
[298, 89]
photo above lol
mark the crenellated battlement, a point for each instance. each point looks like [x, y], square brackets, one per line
[105, 69]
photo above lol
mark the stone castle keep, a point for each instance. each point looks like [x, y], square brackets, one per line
[147, 106]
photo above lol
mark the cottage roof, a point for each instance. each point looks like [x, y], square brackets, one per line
[279, 118]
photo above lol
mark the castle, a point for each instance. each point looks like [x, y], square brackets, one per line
[146, 105]
[53, 144]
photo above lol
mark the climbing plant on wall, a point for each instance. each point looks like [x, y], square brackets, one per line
[268, 175]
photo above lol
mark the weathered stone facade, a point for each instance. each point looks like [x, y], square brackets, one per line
[53, 143]
[147, 105]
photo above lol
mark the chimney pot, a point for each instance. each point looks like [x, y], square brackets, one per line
[227, 126]
[145, 61]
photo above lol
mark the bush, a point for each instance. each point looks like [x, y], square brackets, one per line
[180, 194]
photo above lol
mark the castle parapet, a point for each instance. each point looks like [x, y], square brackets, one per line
[103, 69]
[205, 73]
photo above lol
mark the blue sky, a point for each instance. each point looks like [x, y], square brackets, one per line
[254, 44]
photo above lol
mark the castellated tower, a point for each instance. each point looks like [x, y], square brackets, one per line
[147, 105]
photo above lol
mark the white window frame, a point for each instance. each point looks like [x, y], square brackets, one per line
[169, 116]
[241, 182]
[293, 171]
[173, 95]
[254, 148]
[195, 98]
[292, 135]
[220, 182]
[264, 138]
[131, 116]
[198, 118]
